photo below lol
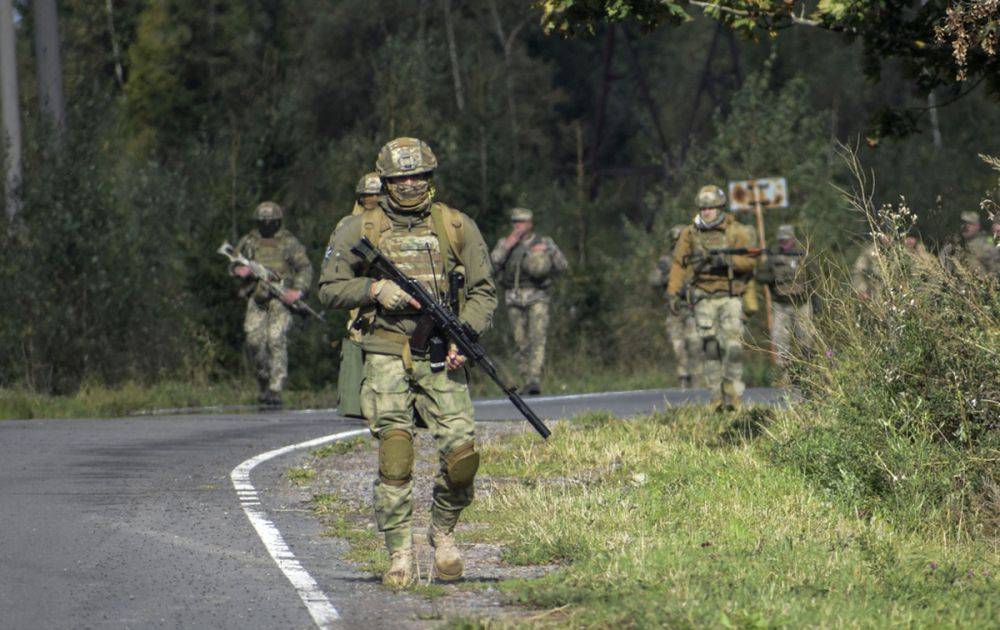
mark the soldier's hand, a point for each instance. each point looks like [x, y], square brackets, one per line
[719, 261]
[242, 271]
[454, 360]
[539, 247]
[390, 296]
[291, 296]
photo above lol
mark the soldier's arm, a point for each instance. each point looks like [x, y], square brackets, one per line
[681, 251]
[559, 262]
[303, 269]
[340, 285]
[743, 264]
[481, 291]
[240, 249]
[499, 254]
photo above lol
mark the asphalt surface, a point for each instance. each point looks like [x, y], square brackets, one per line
[133, 522]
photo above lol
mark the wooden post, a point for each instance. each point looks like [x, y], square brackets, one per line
[762, 243]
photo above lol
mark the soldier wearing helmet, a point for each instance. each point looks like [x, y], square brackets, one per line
[681, 327]
[717, 281]
[791, 276]
[978, 253]
[526, 264]
[434, 244]
[268, 318]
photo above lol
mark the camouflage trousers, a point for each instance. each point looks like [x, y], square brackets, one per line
[791, 327]
[720, 329]
[530, 325]
[266, 327]
[389, 395]
[683, 333]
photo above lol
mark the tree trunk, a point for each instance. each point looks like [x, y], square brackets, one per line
[608, 55]
[11, 109]
[50, 84]
[116, 49]
[449, 31]
[507, 46]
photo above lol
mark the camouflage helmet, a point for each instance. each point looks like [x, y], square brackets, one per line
[405, 156]
[786, 232]
[710, 197]
[370, 184]
[538, 264]
[971, 217]
[268, 211]
[521, 214]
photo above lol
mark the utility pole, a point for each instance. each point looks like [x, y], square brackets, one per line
[10, 109]
[50, 85]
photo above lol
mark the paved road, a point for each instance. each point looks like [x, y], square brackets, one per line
[133, 523]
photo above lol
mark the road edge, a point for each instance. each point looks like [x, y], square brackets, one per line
[320, 608]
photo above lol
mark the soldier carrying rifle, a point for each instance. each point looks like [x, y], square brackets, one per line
[717, 279]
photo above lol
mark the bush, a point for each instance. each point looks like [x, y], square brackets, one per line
[902, 410]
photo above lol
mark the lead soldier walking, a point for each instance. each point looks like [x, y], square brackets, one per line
[526, 264]
[717, 283]
[428, 241]
[269, 317]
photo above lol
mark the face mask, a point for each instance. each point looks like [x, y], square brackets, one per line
[269, 228]
[409, 195]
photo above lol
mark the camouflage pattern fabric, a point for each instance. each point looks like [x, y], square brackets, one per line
[389, 395]
[266, 326]
[684, 339]
[531, 325]
[981, 257]
[791, 328]
[720, 330]
[866, 275]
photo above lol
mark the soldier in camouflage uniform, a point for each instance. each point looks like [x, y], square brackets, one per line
[717, 283]
[786, 270]
[526, 264]
[866, 274]
[979, 255]
[268, 318]
[427, 240]
[351, 355]
[681, 328]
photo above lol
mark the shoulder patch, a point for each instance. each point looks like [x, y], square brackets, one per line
[329, 252]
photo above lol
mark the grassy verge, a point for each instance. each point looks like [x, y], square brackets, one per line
[683, 519]
[131, 398]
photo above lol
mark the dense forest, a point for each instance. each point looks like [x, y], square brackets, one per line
[181, 116]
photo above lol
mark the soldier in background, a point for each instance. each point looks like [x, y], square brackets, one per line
[351, 355]
[268, 318]
[979, 255]
[525, 265]
[790, 276]
[717, 283]
[681, 327]
[866, 274]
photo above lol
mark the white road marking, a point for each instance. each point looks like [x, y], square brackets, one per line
[318, 604]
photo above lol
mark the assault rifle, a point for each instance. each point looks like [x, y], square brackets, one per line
[264, 275]
[447, 323]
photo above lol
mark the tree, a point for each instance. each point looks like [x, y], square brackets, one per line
[50, 83]
[11, 108]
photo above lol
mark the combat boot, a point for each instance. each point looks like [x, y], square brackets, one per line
[685, 382]
[402, 572]
[272, 398]
[533, 388]
[447, 558]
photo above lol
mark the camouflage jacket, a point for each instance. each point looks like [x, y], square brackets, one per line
[866, 274]
[345, 282]
[282, 254]
[790, 275]
[694, 243]
[521, 287]
[981, 256]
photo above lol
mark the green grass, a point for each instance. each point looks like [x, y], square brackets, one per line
[682, 519]
[96, 401]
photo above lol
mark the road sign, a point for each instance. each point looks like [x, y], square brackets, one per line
[772, 192]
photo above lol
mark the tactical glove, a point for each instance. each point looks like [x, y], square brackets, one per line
[719, 261]
[388, 294]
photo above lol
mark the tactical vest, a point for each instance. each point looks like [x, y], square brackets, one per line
[789, 276]
[713, 280]
[514, 275]
[269, 252]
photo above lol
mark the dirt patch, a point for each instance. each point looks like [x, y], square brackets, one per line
[340, 493]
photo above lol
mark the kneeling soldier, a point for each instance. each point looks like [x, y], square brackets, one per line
[428, 241]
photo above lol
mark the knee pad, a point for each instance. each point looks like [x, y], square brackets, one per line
[460, 466]
[395, 457]
[734, 351]
[710, 346]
